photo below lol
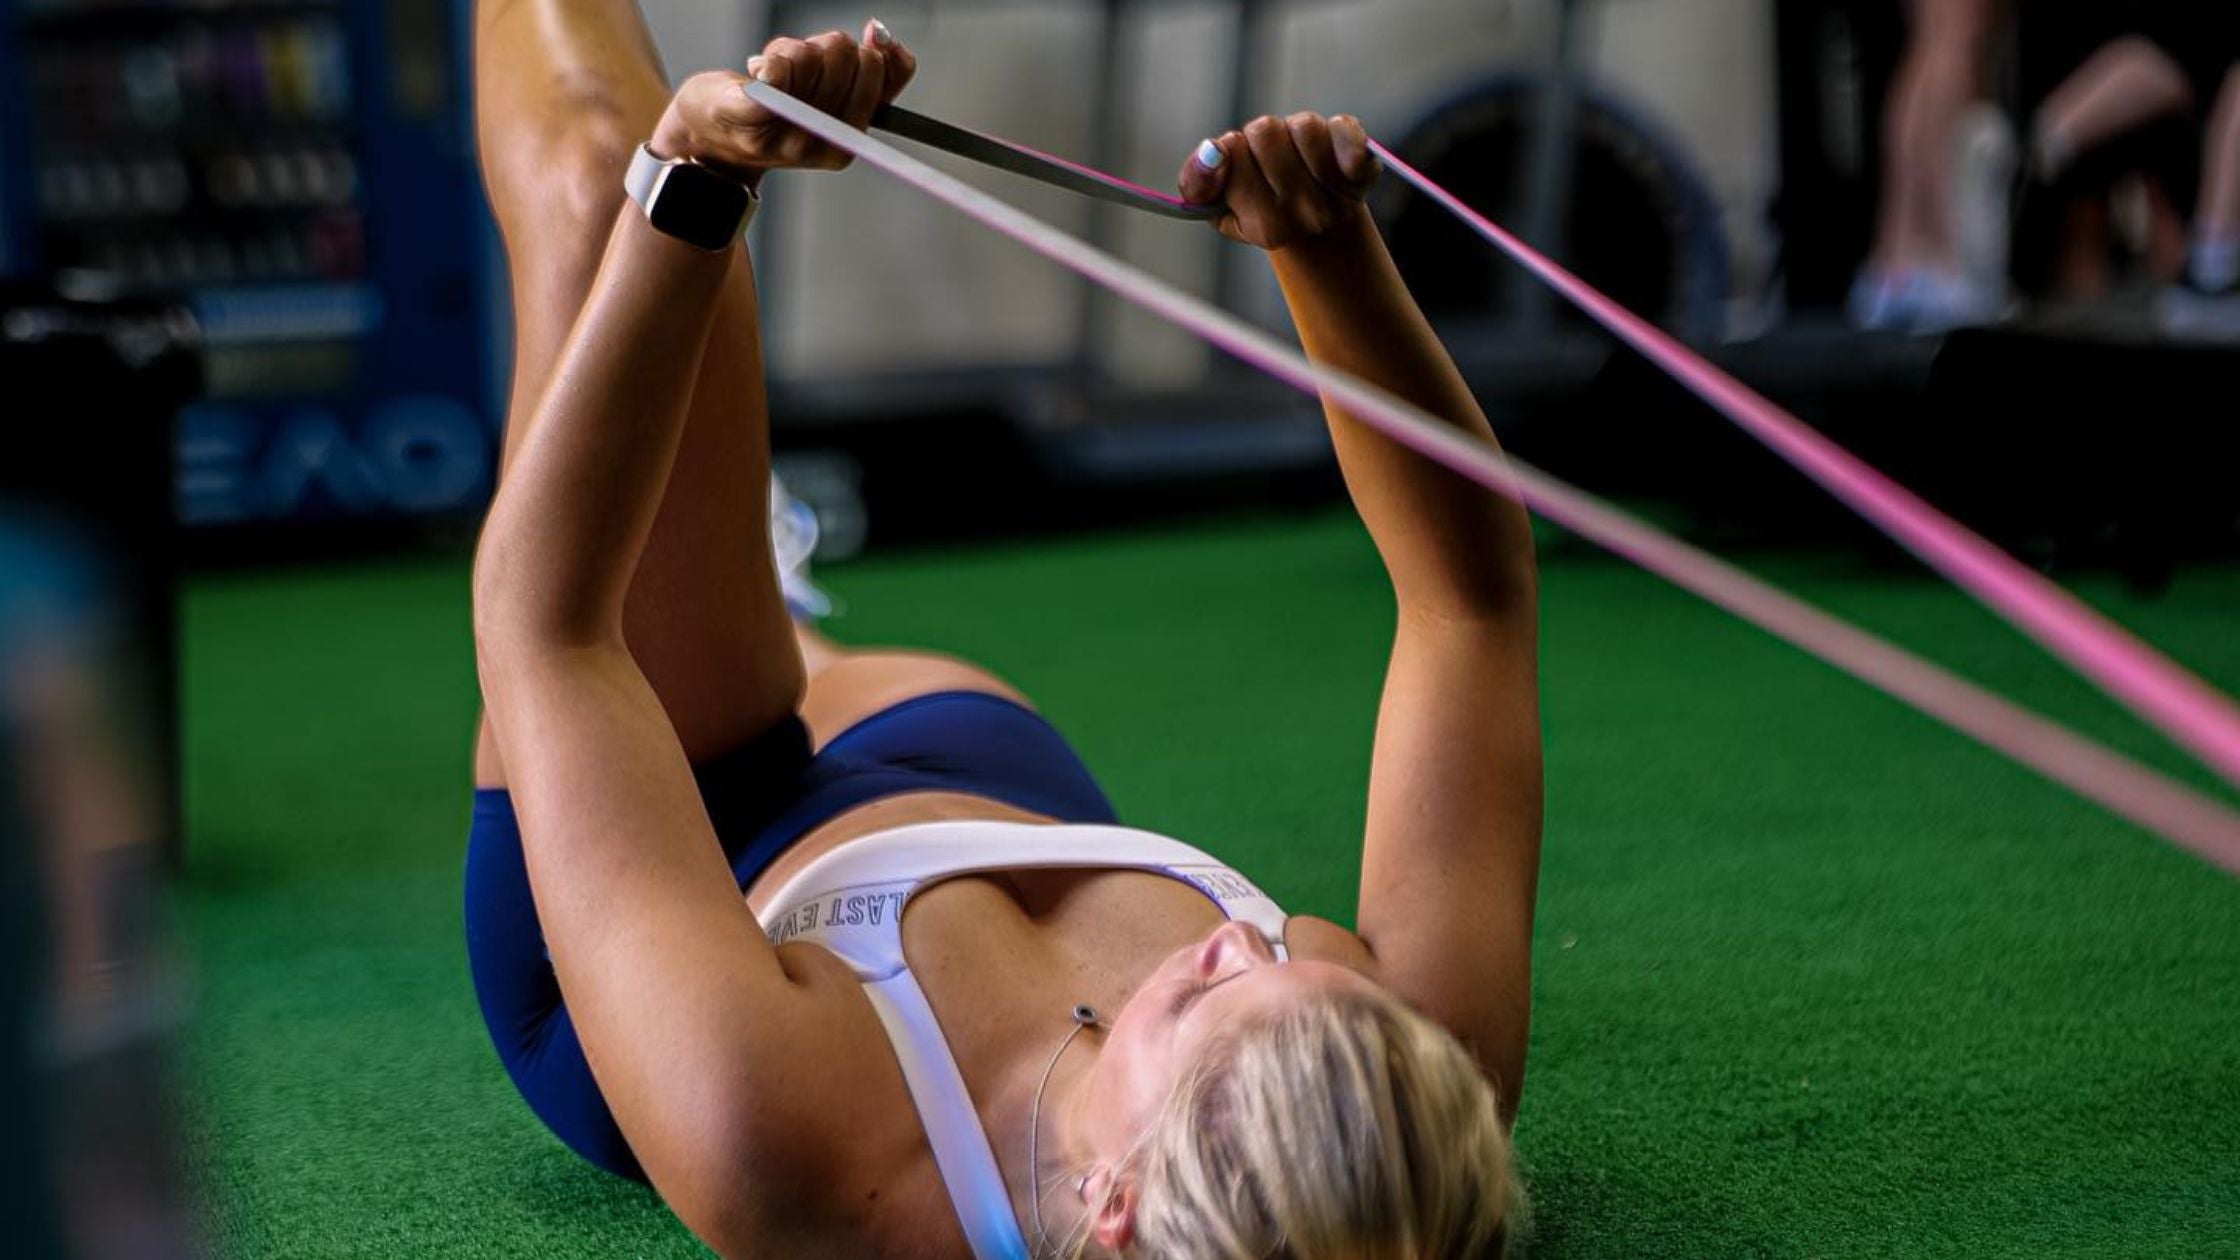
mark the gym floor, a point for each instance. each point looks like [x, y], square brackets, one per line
[1814, 976]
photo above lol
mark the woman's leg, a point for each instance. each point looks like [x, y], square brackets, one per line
[848, 685]
[2216, 223]
[565, 90]
[2124, 86]
[1941, 76]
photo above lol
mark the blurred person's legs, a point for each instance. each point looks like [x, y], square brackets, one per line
[2204, 39]
[2121, 88]
[2215, 263]
[2110, 218]
[1938, 258]
[2115, 151]
[2185, 65]
[2207, 303]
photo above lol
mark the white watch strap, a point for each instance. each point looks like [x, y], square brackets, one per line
[645, 174]
[645, 171]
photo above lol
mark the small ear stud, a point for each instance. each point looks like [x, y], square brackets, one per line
[1085, 1015]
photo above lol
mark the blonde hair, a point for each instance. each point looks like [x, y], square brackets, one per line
[1347, 1127]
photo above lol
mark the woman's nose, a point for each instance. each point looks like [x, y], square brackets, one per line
[1233, 947]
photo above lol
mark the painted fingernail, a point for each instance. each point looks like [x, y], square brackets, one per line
[1210, 156]
[880, 35]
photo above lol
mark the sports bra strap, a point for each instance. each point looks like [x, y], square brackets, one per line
[960, 1146]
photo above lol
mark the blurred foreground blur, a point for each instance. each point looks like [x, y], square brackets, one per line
[88, 1166]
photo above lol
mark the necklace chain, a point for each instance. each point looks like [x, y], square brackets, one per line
[1084, 1016]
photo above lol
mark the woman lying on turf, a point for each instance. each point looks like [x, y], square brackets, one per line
[660, 739]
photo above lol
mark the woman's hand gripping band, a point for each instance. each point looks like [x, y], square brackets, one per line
[714, 123]
[1283, 180]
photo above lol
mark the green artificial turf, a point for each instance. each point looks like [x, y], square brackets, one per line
[1815, 978]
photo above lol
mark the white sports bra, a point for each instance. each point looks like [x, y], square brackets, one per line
[851, 901]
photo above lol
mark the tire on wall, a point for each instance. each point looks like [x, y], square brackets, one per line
[1641, 225]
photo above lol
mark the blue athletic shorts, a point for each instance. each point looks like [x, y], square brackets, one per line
[761, 797]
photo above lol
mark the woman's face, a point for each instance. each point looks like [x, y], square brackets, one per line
[1230, 976]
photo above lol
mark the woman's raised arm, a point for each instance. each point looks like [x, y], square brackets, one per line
[1451, 856]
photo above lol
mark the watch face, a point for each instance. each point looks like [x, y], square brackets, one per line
[697, 205]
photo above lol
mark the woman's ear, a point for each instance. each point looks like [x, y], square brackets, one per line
[1112, 1210]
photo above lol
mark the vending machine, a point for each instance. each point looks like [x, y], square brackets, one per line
[300, 173]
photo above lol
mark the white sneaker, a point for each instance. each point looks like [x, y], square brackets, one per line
[2206, 307]
[793, 540]
[1875, 301]
[1983, 172]
[2213, 264]
[1923, 302]
[2192, 315]
[1940, 302]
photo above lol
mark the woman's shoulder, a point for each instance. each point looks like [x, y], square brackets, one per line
[1309, 937]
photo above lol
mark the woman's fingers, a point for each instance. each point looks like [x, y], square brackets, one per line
[1282, 178]
[1279, 160]
[870, 88]
[1310, 135]
[779, 66]
[833, 55]
[1300, 206]
[1254, 212]
[839, 69]
[795, 62]
[902, 64]
[1356, 162]
[836, 73]
[1204, 173]
[1337, 151]
[713, 120]
[1222, 170]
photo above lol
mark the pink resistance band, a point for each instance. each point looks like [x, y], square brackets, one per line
[2187, 818]
[2186, 709]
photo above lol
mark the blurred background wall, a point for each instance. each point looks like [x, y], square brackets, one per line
[298, 180]
[905, 282]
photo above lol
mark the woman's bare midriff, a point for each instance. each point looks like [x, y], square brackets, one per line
[876, 816]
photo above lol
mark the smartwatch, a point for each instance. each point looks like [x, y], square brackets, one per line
[702, 207]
